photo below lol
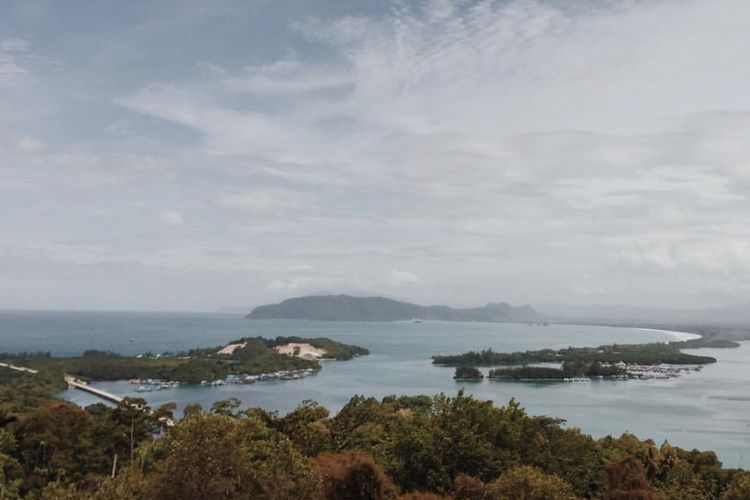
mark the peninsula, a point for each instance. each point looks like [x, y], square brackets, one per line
[350, 308]
[241, 361]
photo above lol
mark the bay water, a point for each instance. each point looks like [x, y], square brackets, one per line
[709, 409]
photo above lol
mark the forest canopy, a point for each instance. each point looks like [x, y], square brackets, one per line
[415, 447]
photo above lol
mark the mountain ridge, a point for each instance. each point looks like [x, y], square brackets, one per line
[350, 308]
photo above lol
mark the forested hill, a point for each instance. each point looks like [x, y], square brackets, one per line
[348, 308]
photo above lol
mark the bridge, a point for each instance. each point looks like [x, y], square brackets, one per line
[74, 383]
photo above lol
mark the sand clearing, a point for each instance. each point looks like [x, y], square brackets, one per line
[229, 350]
[306, 351]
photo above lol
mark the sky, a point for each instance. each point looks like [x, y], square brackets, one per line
[191, 155]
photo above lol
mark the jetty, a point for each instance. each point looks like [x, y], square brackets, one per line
[74, 383]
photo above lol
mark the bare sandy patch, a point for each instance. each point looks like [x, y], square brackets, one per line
[229, 349]
[299, 350]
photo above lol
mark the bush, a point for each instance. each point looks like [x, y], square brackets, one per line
[353, 475]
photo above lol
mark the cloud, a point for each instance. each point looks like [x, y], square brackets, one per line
[172, 218]
[299, 267]
[11, 69]
[29, 144]
[288, 285]
[396, 278]
[516, 150]
[272, 203]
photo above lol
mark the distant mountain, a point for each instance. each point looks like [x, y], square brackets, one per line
[349, 308]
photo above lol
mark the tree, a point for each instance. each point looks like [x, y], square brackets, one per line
[192, 409]
[308, 428]
[226, 406]
[530, 483]
[353, 475]
[134, 424]
[50, 439]
[470, 488]
[218, 456]
[626, 480]
[739, 488]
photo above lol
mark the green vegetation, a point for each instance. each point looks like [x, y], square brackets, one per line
[571, 369]
[642, 354]
[416, 447]
[468, 373]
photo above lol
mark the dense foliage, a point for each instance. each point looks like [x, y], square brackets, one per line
[468, 373]
[569, 369]
[414, 447]
[642, 354]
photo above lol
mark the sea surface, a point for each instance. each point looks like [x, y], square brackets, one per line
[709, 409]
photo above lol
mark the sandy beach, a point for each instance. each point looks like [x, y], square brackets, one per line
[678, 336]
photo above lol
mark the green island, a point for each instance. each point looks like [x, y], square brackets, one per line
[468, 373]
[643, 354]
[618, 361]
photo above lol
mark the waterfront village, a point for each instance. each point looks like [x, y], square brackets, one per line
[301, 350]
[149, 384]
[641, 372]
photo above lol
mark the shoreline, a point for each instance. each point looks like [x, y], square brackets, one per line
[678, 336]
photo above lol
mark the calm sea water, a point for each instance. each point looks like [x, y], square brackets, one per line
[709, 409]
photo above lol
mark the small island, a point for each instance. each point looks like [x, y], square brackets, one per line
[467, 373]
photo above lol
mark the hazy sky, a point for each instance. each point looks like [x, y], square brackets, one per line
[192, 155]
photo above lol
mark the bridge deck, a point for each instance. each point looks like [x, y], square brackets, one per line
[78, 384]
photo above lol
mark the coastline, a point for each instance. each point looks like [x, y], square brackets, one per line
[678, 336]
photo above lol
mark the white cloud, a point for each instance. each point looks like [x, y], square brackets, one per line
[396, 278]
[29, 144]
[517, 150]
[14, 45]
[272, 203]
[11, 69]
[299, 267]
[172, 218]
[288, 285]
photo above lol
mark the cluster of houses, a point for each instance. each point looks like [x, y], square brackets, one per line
[244, 378]
[642, 372]
[153, 384]
[658, 371]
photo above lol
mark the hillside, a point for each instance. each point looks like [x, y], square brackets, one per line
[348, 308]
